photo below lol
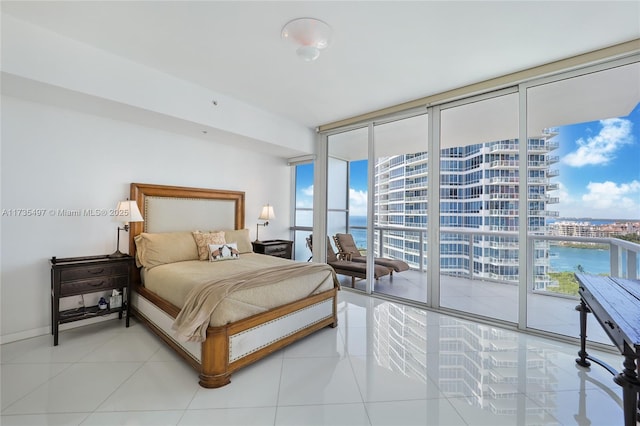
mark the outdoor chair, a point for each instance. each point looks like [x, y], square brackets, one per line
[347, 246]
[346, 267]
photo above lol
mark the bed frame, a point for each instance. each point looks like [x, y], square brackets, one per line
[235, 345]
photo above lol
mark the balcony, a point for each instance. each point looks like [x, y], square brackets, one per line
[545, 213]
[488, 299]
[624, 255]
[504, 196]
[542, 230]
[504, 179]
[552, 187]
[548, 145]
[421, 185]
[503, 212]
[501, 261]
[538, 164]
[550, 306]
[506, 164]
[416, 172]
[538, 180]
[416, 198]
[417, 159]
[503, 245]
[497, 228]
[504, 147]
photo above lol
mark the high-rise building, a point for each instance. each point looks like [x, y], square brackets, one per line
[476, 361]
[479, 205]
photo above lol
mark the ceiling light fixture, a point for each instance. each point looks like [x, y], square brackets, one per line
[309, 34]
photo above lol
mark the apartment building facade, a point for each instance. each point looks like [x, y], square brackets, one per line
[570, 228]
[479, 205]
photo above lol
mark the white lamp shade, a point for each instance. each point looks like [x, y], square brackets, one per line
[267, 213]
[128, 211]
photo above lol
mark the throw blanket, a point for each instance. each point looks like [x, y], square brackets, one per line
[192, 321]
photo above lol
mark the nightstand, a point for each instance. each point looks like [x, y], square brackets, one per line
[278, 248]
[74, 276]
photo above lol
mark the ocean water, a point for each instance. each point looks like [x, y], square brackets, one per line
[359, 235]
[569, 259]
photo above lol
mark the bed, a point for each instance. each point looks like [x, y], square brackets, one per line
[246, 324]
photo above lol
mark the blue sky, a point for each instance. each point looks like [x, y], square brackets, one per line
[599, 171]
[304, 186]
[600, 168]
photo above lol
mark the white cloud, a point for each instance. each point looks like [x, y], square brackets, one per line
[308, 191]
[357, 202]
[611, 200]
[601, 148]
[304, 198]
[563, 193]
[603, 200]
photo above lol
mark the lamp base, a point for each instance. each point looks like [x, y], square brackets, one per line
[117, 254]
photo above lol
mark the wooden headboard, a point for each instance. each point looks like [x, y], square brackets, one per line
[176, 208]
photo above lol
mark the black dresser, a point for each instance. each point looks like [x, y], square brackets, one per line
[278, 248]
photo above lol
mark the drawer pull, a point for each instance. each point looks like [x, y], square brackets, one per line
[97, 271]
[100, 284]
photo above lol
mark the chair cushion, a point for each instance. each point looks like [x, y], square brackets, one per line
[395, 264]
[346, 244]
[357, 269]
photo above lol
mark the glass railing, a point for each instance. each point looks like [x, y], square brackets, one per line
[598, 256]
[555, 258]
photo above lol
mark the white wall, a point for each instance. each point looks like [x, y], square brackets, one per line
[55, 158]
[80, 124]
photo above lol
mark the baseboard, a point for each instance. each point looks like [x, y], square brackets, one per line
[35, 332]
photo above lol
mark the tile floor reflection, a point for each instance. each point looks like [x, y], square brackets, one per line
[385, 364]
[490, 299]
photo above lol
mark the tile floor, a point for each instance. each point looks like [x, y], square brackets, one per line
[385, 364]
[492, 300]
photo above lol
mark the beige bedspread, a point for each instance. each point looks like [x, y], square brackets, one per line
[192, 321]
[174, 281]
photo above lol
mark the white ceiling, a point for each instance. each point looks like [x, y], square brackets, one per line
[382, 52]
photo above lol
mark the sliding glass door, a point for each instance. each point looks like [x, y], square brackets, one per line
[532, 183]
[347, 189]
[400, 203]
[584, 190]
[479, 201]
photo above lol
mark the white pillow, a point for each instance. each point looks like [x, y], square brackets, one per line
[228, 251]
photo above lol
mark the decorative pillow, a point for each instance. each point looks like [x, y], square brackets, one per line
[240, 237]
[227, 251]
[203, 239]
[153, 249]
